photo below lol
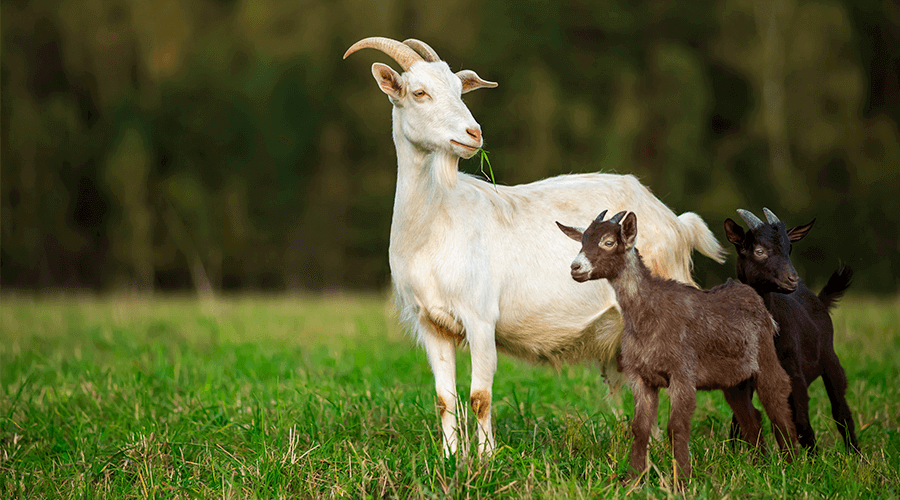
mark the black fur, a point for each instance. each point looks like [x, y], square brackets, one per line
[805, 343]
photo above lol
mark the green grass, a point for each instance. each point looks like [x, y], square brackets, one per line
[322, 397]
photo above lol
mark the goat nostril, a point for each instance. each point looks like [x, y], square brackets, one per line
[575, 266]
[474, 133]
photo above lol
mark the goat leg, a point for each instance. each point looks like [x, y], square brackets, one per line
[484, 366]
[683, 397]
[747, 418]
[799, 403]
[746, 389]
[790, 355]
[646, 404]
[774, 386]
[836, 384]
[441, 354]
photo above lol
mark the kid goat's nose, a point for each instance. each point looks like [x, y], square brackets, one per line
[474, 133]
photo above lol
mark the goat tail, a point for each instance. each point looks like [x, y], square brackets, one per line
[701, 237]
[837, 284]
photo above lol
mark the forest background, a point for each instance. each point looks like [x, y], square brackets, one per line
[224, 145]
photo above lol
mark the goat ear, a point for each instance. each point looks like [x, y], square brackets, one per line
[799, 232]
[734, 232]
[629, 230]
[572, 232]
[388, 79]
[471, 81]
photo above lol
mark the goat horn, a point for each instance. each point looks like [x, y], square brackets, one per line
[772, 218]
[751, 220]
[403, 54]
[618, 217]
[600, 217]
[423, 49]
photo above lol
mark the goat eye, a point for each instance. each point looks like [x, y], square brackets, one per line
[609, 243]
[759, 252]
[419, 93]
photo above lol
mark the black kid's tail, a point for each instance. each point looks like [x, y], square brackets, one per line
[836, 286]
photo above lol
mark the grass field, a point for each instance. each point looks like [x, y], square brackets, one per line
[326, 397]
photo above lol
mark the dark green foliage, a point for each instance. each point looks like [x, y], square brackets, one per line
[221, 145]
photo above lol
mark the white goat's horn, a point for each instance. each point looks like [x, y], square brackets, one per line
[751, 220]
[423, 49]
[772, 218]
[618, 217]
[601, 216]
[403, 54]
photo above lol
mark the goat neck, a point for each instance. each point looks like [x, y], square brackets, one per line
[420, 169]
[628, 283]
[423, 180]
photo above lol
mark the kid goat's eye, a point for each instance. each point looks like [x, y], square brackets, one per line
[419, 93]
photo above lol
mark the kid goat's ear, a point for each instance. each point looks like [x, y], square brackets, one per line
[799, 232]
[629, 230]
[734, 232]
[388, 80]
[572, 232]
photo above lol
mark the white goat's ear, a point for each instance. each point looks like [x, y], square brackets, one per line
[796, 234]
[388, 79]
[471, 81]
[572, 232]
[629, 230]
[734, 232]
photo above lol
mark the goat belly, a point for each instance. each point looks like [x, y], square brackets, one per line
[720, 365]
[651, 361]
[545, 338]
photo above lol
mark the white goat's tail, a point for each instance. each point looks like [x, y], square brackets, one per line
[701, 237]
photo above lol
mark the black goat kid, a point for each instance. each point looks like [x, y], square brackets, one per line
[805, 343]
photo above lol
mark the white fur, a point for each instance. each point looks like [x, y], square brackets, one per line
[581, 264]
[486, 264]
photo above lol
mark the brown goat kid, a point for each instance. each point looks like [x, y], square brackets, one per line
[685, 339]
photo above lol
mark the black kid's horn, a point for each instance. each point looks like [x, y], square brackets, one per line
[772, 218]
[751, 220]
[618, 217]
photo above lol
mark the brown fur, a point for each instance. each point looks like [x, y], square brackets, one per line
[447, 333]
[687, 339]
[445, 326]
[442, 406]
[481, 404]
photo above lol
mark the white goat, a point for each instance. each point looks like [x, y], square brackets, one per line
[486, 264]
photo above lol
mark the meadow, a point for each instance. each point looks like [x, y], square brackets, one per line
[310, 397]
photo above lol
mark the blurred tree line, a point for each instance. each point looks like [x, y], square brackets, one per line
[220, 145]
